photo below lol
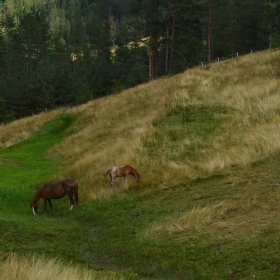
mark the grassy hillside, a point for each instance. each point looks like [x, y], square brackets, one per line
[206, 144]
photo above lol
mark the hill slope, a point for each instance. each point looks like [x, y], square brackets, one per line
[206, 144]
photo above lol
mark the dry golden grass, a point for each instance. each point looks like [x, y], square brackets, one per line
[15, 267]
[24, 128]
[247, 216]
[110, 131]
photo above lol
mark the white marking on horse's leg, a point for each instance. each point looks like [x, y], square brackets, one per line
[71, 207]
[112, 179]
[33, 211]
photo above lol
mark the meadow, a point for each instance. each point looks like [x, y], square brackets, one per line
[206, 144]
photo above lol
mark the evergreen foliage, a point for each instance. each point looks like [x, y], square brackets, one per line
[54, 53]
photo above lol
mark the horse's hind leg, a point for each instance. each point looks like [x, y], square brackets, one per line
[45, 205]
[50, 203]
[112, 180]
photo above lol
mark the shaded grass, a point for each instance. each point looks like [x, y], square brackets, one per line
[187, 129]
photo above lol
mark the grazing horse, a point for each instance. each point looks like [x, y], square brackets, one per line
[122, 171]
[49, 191]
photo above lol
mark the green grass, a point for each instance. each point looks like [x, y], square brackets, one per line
[24, 166]
[108, 234]
[192, 122]
[136, 232]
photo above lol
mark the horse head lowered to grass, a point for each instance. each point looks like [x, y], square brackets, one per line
[49, 191]
[122, 171]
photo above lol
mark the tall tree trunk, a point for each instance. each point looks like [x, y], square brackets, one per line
[151, 64]
[153, 39]
[209, 30]
[173, 36]
[29, 52]
[156, 39]
[267, 21]
[167, 40]
[233, 43]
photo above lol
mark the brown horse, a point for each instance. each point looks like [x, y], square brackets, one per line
[50, 191]
[122, 171]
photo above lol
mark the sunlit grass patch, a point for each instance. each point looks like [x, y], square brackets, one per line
[24, 128]
[15, 267]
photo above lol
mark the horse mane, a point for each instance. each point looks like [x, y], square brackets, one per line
[38, 195]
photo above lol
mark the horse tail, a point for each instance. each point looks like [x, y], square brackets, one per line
[106, 173]
[76, 194]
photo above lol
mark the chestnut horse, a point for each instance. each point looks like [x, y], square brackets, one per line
[49, 191]
[122, 171]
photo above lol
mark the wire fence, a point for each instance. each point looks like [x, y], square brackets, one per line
[219, 59]
[204, 64]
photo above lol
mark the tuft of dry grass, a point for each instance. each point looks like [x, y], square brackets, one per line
[246, 216]
[15, 267]
[19, 130]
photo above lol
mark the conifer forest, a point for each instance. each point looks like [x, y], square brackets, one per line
[66, 52]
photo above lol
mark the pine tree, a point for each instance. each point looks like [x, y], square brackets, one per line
[33, 30]
[3, 52]
[153, 29]
[186, 34]
[274, 14]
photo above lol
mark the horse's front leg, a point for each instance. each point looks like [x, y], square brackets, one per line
[45, 205]
[50, 203]
[71, 201]
[125, 179]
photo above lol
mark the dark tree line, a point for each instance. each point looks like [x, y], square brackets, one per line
[59, 52]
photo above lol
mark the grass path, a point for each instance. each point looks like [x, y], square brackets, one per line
[58, 234]
[23, 167]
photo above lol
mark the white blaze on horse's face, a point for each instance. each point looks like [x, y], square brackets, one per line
[34, 211]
